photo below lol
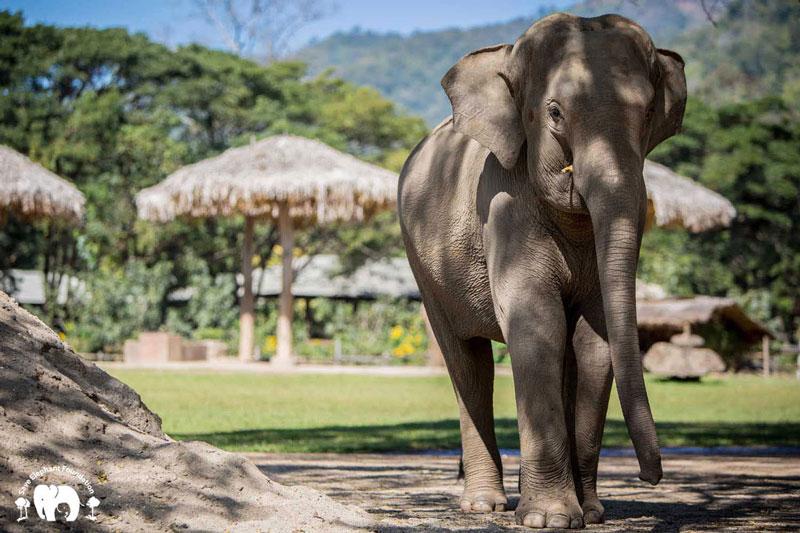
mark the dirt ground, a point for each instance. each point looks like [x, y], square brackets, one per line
[64, 421]
[420, 492]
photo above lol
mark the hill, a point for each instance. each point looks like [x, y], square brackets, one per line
[407, 68]
[750, 52]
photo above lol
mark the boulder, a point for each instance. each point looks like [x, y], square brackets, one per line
[65, 422]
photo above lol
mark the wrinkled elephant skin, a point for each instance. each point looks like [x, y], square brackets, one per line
[522, 216]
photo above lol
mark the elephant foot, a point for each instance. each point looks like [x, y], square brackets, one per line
[484, 500]
[557, 512]
[593, 511]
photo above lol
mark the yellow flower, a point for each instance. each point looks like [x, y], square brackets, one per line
[403, 349]
[396, 332]
[270, 343]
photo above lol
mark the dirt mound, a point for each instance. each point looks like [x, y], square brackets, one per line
[65, 422]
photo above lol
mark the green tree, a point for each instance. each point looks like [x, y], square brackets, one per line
[749, 153]
[115, 112]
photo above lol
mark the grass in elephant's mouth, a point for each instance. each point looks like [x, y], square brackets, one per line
[328, 413]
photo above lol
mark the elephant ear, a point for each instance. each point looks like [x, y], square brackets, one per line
[483, 103]
[670, 98]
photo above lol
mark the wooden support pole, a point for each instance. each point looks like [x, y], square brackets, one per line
[247, 304]
[765, 354]
[283, 356]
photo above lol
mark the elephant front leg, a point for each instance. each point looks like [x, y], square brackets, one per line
[536, 339]
[592, 388]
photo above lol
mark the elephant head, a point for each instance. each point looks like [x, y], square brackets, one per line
[47, 498]
[578, 103]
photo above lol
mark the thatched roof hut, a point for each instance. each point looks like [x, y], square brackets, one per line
[672, 314]
[724, 326]
[676, 201]
[318, 183]
[31, 191]
[293, 180]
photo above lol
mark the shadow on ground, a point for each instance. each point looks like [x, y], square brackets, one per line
[444, 434]
[421, 491]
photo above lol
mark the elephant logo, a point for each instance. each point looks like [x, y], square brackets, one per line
[47, 499]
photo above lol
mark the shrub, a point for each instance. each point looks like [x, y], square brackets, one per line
[117, 304]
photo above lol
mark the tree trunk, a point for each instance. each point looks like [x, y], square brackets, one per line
[283, 357]
[247, 306]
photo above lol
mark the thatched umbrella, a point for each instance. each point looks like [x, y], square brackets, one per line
[288, 179]
[675, 201]
[33, 192]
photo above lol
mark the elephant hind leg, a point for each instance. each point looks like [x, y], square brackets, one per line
[471, 368]
[591, 389]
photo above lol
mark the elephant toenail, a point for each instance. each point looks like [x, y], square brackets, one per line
[576, 523]
[558, 520]
[500, 507]
[533, 520]
[593, 517]
[482, 506]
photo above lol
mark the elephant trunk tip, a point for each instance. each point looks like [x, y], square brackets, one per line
[652, 472]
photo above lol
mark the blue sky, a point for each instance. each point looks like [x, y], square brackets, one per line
[177, 22]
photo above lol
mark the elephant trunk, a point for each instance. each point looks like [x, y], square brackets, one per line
[617, 203]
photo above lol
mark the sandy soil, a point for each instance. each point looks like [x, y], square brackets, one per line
[59, 412]
[698, 493]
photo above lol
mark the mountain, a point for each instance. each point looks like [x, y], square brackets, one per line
[407, 68]
[753, 51]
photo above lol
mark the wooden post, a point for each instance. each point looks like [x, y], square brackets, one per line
[283, 356]
[765, 354]
[247, 305]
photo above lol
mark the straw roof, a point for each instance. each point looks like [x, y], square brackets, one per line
[673, 313]
[675, 201]
[319, 183]
[319, 276]
[32, 191]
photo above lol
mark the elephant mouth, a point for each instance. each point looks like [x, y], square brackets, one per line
[575, 203]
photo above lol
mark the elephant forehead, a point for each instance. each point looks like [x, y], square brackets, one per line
[615, 73]
[541, 54]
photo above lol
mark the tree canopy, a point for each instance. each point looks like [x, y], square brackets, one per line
[748, 152]
[115, 112]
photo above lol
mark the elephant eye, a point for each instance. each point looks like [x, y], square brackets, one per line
[555, 113]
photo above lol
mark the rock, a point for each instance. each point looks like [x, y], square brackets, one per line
[670, 360]
[61, 411]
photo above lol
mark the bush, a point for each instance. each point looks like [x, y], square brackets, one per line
[211, 311]
[117, 304]
[383, 327]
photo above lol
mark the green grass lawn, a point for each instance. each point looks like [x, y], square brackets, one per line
[347, 413]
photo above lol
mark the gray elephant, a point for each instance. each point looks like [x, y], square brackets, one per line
[47, 498]
[522, 217]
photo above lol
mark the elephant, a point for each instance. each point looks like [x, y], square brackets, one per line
[46, 498]
[522, 216]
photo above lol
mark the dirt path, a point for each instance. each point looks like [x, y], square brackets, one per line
[698, 493]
